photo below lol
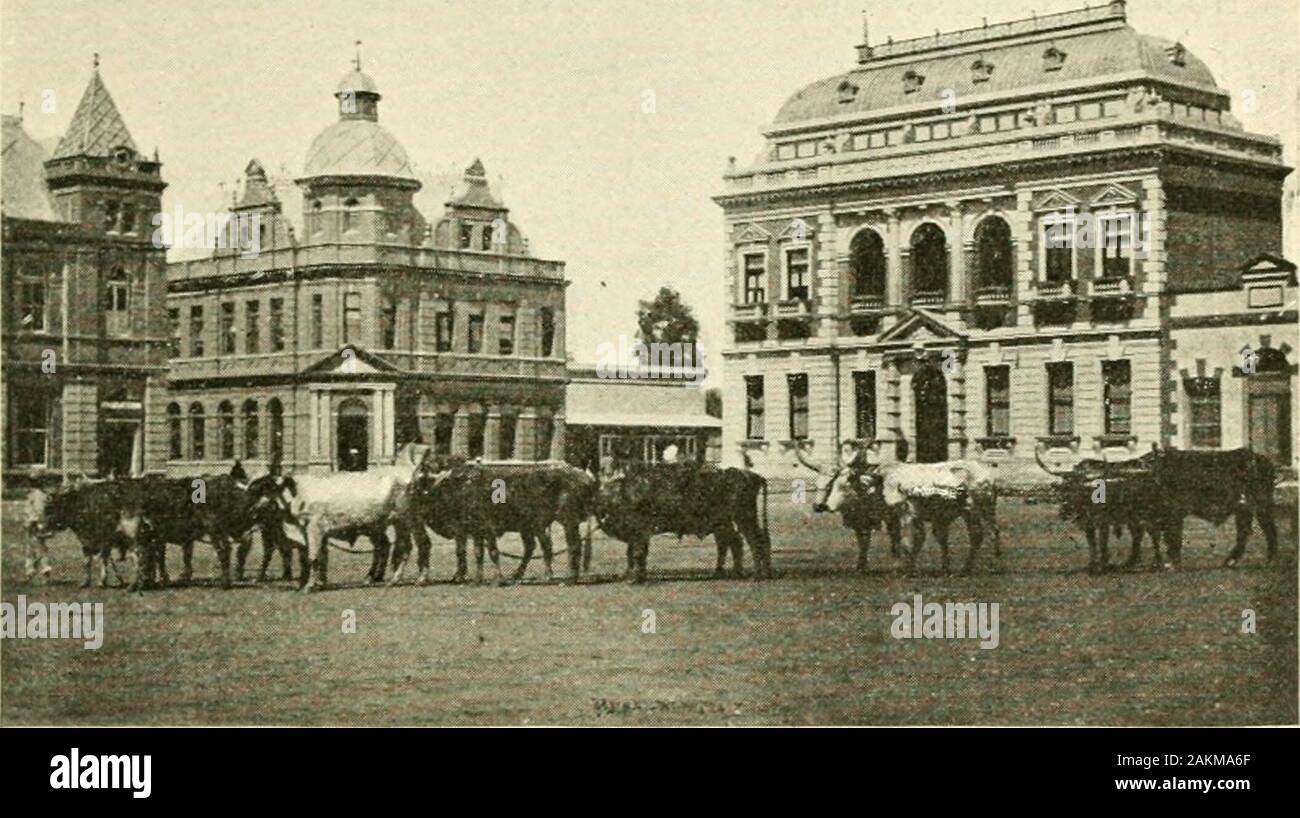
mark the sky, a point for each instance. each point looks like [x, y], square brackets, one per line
[552, 96]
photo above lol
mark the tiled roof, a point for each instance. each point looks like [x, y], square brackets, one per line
[23, 193]
[1017, 66]
[97, 127]
[357, 147]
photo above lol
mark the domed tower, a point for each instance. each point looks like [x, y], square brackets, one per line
[357, 182]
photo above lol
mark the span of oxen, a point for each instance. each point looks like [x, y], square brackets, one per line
[912, 496]
[637, 501]
[1101, 496]
[1159, 490]
[313, 508]
[460, 500]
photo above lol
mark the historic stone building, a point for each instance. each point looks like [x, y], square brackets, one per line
[1048, 232]
[85, 331]
[367, 326]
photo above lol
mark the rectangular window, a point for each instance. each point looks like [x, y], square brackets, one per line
[31, 303]
[798, 406]
[1204, 412]
[317, 321]
[796, 274]
[1060, 398]
[252, 327]
[277, 325]
[227, 328]
[1058, 250]
[1117, 245]
[352, 318]
[466, 236]
[31, 419]
[506, 336]
[475, 333]
[388, 324]
[997, 400]
[174, 328]
[864, 405]
[442, 426]
[444, 323]
[1118, 396]
[548, 332]
[754, 407]
[755, 278]
[196, 332]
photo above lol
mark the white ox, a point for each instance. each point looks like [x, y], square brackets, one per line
[316, 507]
[906, 496]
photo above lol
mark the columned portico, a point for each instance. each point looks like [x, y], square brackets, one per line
[337, 406]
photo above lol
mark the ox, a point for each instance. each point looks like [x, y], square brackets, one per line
[315, 507]
[640, 500]
[1102, 495]
[1214, 486]
[104, 515]
[911, 495]
[455, 500]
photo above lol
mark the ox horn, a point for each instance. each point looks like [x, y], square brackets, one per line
[799, 455]
[1038, 455]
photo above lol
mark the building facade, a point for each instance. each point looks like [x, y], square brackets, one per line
[366, 327]
[85, 328]
[637, 418]
[1049, 233]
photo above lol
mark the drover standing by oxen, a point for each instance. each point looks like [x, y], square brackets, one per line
[313, 508]
[637, 501]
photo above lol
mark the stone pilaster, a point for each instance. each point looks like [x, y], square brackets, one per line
[526, 435]
[492, 435]
[460, 432]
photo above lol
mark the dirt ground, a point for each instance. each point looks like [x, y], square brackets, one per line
[812, 646]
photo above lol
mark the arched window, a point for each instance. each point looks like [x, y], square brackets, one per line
[226, 430]
[350, 215]
[197, 432]
[993, 256]
[276, 410]
[250, 429]
[867, 265]
[929, 265]
[175, 435]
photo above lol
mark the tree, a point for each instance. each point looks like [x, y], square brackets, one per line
[667, 319]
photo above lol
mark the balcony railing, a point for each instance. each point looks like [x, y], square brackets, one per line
[994, 295]
[867, 304]
[1055, 289]
[1110, 287]
[927, 298]
[793, 308]
[749, 312]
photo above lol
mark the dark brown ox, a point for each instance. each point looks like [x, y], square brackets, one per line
[637, 501]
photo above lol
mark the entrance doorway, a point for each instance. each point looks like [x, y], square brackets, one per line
[1270, 420]
[117, 446]
[353, 435]
[930, 388]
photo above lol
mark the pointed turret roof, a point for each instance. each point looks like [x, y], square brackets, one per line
[257, 190]
[474, 190]
[97, 127]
